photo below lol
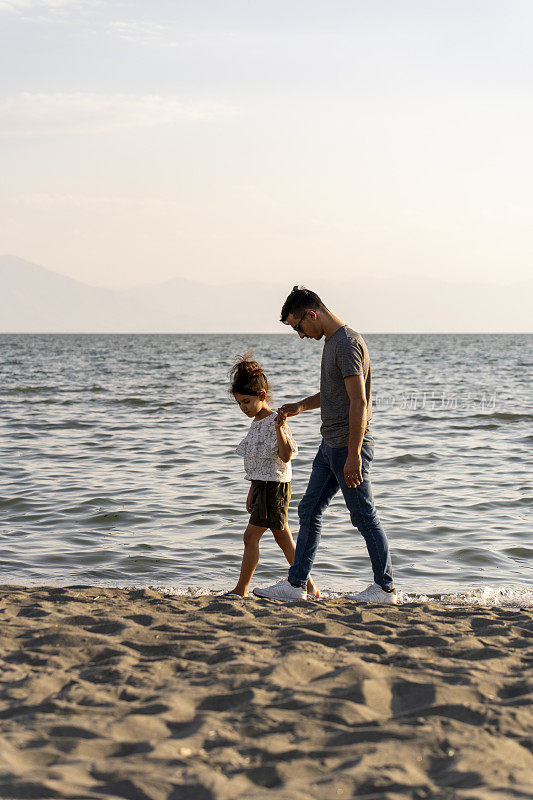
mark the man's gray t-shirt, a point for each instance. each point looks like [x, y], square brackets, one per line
[345, 353]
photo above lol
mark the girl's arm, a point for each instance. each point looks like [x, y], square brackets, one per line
[284, 447]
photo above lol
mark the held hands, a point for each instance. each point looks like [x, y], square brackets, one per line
[290, 410]
[353, 471]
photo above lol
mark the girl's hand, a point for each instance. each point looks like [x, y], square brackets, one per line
[249, 501]
[280, 420]
[284, 448]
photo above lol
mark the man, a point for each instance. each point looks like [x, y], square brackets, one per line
[346, 452]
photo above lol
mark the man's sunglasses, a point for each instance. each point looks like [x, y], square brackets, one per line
[298, 328]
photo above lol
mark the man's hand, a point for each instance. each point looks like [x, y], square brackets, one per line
[353, 471]
[290, 409]
[249, 501]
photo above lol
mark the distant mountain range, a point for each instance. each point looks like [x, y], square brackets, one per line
[36, 300]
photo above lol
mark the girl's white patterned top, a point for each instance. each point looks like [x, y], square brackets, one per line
[260, 450]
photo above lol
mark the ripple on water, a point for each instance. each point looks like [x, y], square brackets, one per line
[411, 458]
[476, 556]
[519, 552]
[504, 416]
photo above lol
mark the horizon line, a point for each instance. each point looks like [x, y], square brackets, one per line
[256, 333]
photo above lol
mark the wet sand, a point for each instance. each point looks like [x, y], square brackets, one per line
[110, 693]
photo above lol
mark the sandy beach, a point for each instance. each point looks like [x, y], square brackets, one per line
[112, 693]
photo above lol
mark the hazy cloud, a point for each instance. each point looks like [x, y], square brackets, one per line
[154, 205]
[25, 5]
[30, 114]
[142, 32]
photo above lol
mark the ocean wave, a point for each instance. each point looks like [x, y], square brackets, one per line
[486, 597]
[410, 458]
[30, 389]
[130, 401]
[505, 416]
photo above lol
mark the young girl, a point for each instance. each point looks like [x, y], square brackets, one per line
[267, 449]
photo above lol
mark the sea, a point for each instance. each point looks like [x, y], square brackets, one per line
[118, 468]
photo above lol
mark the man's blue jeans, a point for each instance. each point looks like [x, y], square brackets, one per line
[327, 477]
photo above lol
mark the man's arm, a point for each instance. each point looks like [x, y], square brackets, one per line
[311, 402]
[292, 409]
[353, 469]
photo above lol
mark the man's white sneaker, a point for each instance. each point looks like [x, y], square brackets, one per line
[282, 591]
[375, 594]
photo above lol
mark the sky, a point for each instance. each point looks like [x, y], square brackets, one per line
[288, 141]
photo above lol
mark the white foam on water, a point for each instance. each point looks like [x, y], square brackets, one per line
[189, 591]
[485, 597]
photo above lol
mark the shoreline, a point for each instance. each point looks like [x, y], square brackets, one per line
[510, 596]
[132, 693]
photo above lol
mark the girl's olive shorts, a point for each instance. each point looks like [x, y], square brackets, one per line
[270, 504]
